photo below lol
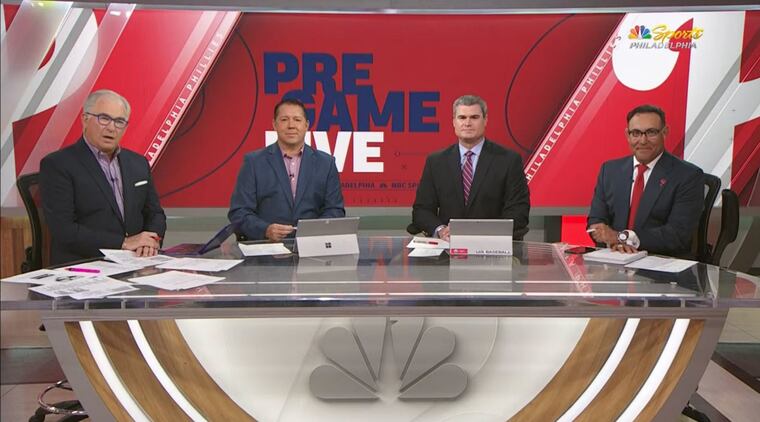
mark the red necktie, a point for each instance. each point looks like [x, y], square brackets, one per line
[467, 174]
[638, 191]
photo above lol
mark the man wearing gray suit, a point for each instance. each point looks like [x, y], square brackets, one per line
[285, 182]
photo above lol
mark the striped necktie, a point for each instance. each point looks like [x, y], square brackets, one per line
[467, 174]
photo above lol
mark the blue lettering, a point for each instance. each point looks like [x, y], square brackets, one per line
[319, 68]
[367, 108]
[278, 68]
[351, 73]
[418, 111]
[335, 112]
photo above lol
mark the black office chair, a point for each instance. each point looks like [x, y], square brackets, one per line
[37, 256]
[701, 249]
[729, 224]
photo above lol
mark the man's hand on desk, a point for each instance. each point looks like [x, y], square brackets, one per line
[277, 232]
[443, 233]
[603, 233]
[143, 243]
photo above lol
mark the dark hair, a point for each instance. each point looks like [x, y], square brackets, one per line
[289, 101]
[646, 108]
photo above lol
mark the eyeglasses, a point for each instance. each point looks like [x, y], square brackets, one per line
[105, 120]
[650, 133]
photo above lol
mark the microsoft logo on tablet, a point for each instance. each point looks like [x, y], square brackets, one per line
[416, 371]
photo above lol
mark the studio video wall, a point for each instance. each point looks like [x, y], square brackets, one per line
[379, 90]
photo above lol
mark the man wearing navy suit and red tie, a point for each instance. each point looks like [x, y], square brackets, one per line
[651, 200]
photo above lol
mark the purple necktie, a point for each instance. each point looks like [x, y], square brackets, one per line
[467, 174]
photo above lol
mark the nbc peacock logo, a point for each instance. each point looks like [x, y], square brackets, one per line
[357, 370]
[640, 32]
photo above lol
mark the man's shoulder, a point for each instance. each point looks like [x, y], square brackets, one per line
[321, 155]
[618, 162]
[496, 149]
[260, 153]
[64, 154]
[683, 165]
[435, 155]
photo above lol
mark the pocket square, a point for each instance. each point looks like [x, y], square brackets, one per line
[141, 182]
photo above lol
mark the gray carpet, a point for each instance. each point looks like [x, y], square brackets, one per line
[29, 366]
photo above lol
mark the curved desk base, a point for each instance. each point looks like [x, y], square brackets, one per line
[516, 368]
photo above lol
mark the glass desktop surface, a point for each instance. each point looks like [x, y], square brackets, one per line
[383, 275]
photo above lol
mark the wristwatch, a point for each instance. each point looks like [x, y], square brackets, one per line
[623, 237]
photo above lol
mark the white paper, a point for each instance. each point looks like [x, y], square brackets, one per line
[419, 252]
[130, 258]
[200, 264]
[261, 249]
[427, 243]
[667, 265]
[613, 257]
[101, 268]
[85, 288]
[176, 280]
[45, 276]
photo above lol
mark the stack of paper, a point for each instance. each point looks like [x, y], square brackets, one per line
[200, 264]
[176, 280]
[427, 243]
[613, 257]
[262, 249]
[46, 277]
[85, 288]
[427, 246]
[667, 265]
[129, 258]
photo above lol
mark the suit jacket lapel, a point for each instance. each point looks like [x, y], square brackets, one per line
[653, 188]
[90, 163]
[480, 171]
[622, 189]
[305, 173]
[275, 160]
[455, 167]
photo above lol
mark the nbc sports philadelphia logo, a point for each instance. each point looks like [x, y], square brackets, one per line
[356, 368]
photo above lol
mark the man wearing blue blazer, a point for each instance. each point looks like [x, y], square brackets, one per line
[285, 182]
[649, 201]
[96, 194]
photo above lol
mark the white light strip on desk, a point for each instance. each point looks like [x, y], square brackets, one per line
[109, 374]
[161, 375]
[604, 373]
[539, 294]
[658, 373]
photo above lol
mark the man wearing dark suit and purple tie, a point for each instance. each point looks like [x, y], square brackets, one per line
[651, 200]
[96, 194]
[285, 182]
[474, 178]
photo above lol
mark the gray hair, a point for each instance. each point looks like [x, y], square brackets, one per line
[468, 100]
[93, 98]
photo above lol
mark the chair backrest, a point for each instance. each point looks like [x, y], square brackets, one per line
[38, 255]
[729, 224]
[701, 248]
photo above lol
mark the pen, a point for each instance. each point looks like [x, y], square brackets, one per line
[427, 242]
[83, 270]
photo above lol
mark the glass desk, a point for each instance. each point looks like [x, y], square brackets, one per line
[541, 335]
